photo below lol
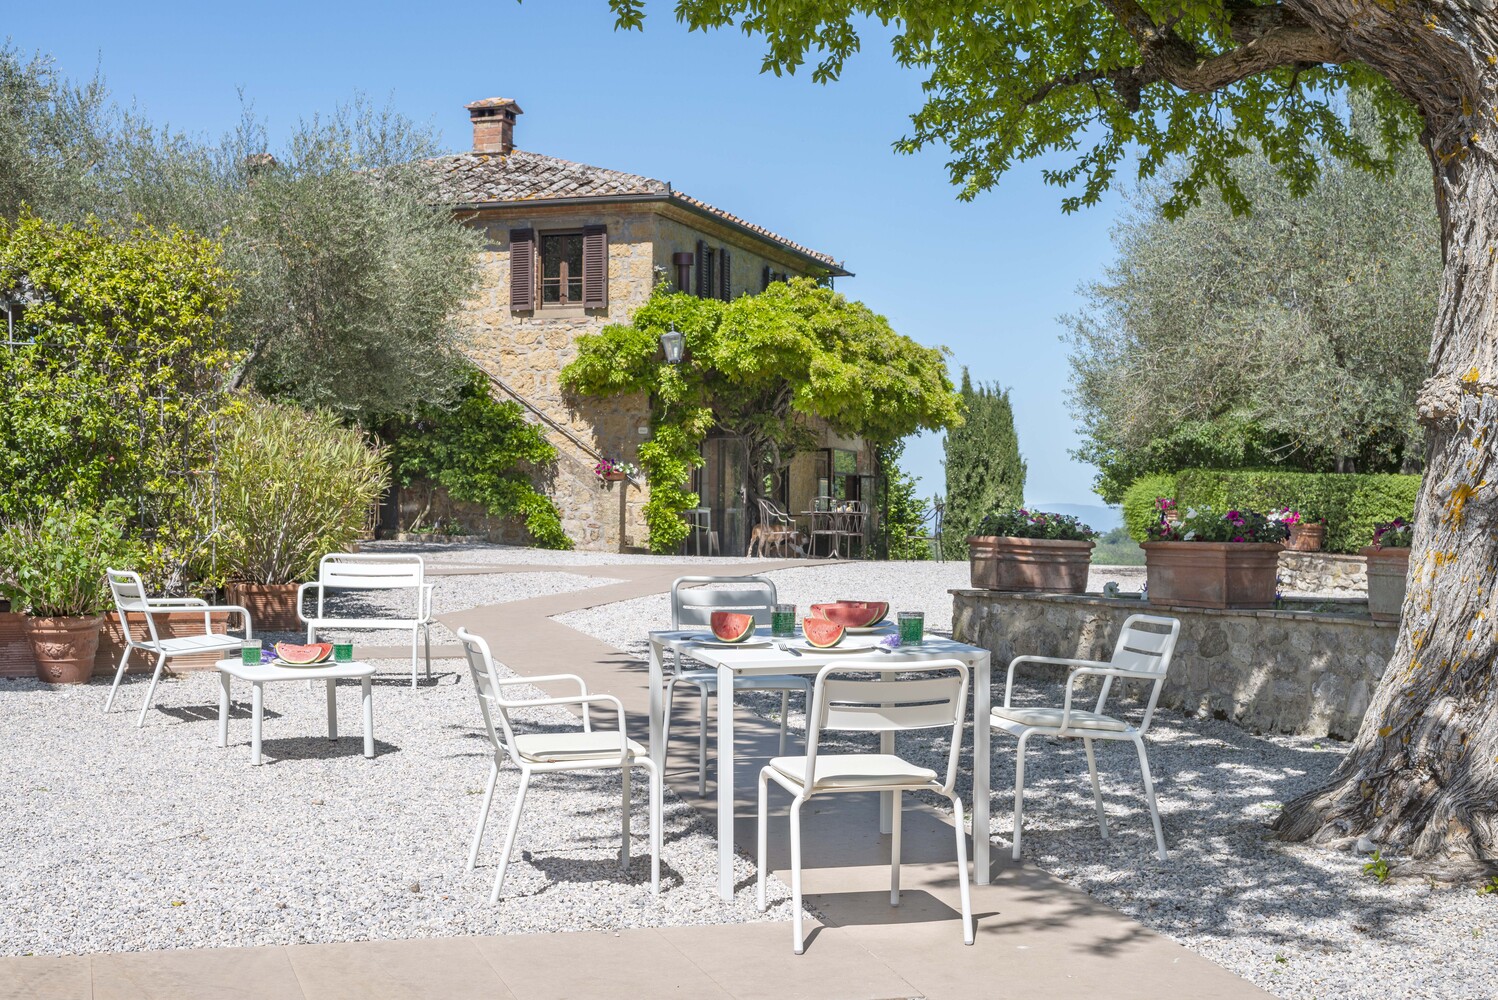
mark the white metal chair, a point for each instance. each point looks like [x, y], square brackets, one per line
[372, 572]
[693, 604]
[885, 705]
[584, 750]
[1141, 653]
[130, 598]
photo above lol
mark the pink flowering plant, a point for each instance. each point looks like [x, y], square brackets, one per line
[1395, 534]
[1022, 523]
[608, 467]
[1207, 525]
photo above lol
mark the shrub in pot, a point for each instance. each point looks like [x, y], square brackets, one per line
[1388, 568]
[54, 567]
[1215, 560]
[293, 486]
[1031, 551]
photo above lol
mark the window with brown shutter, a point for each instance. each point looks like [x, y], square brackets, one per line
[725, 280]
[704, 270]
[595, 267]
[522, 269]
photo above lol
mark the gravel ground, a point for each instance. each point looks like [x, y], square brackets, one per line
[156, 838]
[1299, 922]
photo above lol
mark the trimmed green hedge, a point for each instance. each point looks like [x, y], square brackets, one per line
[1350, 503]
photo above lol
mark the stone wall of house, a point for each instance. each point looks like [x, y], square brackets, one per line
[678, 231]
[1289, 671]
[527, 351]
[1323, 573]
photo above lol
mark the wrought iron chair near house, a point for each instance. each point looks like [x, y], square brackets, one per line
[130, 599]
[1142, 653]
[847, 700]
[776, 530]
[584, 749]
[693, 604]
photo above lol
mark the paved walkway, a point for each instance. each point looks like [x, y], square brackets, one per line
[1036, 936]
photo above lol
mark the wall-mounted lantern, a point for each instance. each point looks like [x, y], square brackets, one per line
[672, 342]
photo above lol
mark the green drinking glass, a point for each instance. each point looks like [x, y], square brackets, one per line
[912, 627]
[249, 652]
[343, 652]
[783, 621]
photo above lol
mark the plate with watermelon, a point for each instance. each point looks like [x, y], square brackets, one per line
[730, 630]
[822, 635]
[858, 617]
[290, 654]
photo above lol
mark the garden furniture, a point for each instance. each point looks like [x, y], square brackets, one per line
[700, 523]
[261, 674]
[1142, 653]
[846, 701]
[694, 604]
[586, 749]
[732, 663]
[777, 530]
[130, 598]
[349, 571]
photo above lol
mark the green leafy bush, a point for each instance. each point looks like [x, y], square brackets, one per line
[293, 485]
[1021, 523]
[54, 562]
[481, 451]
[1352, 504]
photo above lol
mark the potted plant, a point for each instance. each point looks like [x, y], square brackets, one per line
[1306, 532]
[609, 472]
[294, 485]
[1388, 568]
[1030, 551]
[54, 576]
[1212, 560]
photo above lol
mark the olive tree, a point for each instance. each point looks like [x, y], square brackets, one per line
[1211, 80]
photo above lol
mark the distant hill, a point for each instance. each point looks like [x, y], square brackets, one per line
[1097, 516]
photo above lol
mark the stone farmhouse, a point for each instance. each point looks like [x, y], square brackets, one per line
[570, 249]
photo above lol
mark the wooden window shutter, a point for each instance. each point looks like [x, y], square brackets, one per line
[725, 280]
[595, 267]
[522, 269]
[765, 278]
[704, 271]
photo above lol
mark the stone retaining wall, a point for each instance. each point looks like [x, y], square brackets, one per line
[1288, 671]
[1323, 573]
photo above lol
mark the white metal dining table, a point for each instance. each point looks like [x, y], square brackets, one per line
[775, 659]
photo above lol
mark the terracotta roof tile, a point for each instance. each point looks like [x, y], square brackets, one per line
[482, 178]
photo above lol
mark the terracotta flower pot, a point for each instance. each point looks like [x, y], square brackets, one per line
[64, 647]
[1212, 574]
[272, 606]
[1029, 564]
[615, 477]
[1388, 570]
[1306, 537]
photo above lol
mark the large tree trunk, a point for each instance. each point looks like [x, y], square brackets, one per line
[1421, 778]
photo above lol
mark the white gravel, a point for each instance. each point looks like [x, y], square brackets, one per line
[1300, 922]
[122, 839]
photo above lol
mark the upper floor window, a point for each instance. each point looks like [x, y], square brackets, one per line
[561, 269]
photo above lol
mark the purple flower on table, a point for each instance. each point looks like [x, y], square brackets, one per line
[890, 641]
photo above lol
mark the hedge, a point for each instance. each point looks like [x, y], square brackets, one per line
[1350, 503]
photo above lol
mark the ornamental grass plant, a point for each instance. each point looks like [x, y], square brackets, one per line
[293, 485]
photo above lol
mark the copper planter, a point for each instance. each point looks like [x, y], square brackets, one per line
[1029, 565]
[1212, 574]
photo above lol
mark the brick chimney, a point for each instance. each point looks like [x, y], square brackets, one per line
[493, 124]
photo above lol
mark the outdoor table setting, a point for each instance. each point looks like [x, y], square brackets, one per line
[328, 662]
[783, 647]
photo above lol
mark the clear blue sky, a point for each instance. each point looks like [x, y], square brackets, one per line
[987, 279]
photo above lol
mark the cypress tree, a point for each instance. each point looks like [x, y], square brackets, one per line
[984, 468]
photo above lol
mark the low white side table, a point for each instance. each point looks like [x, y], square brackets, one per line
[264, 673]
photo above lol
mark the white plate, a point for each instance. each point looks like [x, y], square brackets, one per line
[806, 647]
[278, 662]
[713, 643]
[883, 626]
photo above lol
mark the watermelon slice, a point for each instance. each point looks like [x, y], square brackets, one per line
[730, 626]
[853, 614]
[290, 652]
[822, 633]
